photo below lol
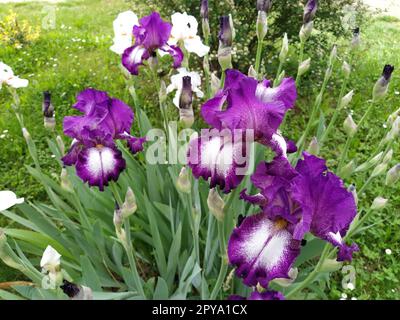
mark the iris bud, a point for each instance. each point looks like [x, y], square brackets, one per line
[204, 16]
[388, 157]
[331, 265]
[370, 163]
[305, 31]
[379, 170]
[346, 68]
[216, 204]
[129, 206]
[313, 148]
[393, 117]
[64, 181]
[280, 77]
[347, 99]
[26, 135]
[393, 175]
[252, 72]
[162, 94]
[333, 55]
[76, 292]
[60, 144]
[352, 189]
[350, 126]
[304, 66]
[356, 41]
[262, 25]
[382, 85]
[394, 131]
[185, 102]
[379, 203]
[309, 11]
[183, 182]
[264, 5]
[48, 111]
[285, 49]
[227, 32]
[118, 220]
[215, 83]
[347, 170]
[284, 282]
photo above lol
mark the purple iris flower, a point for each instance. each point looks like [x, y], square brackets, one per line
[310, 10]
[93, 151]
[306, 199]
[152, 34]
[245, 109]
[204, 11]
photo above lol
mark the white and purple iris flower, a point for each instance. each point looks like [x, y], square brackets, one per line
[151, 35]
[242, 112]
[93, 152]
[294, 201]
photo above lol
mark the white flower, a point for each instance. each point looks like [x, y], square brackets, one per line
[176, 84]
[7, 76]
[50, 260]
[9, 199]
[123, 27]
[388, 252]
[184, 28]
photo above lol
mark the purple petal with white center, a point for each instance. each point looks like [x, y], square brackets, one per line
[219, 157]
[262, 250]
[133, 58]
[286, 92]
[327, 207]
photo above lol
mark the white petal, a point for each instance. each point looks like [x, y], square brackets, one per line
[121, 43]
[6, 72]
[16, 82]
[123, 24]
[50, 259]
[100, 162]
[196, 46]
[184, 26]
[266, 94]
[281, 142]
[9, 199]
[137, 54]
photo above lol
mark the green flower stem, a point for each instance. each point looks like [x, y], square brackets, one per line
[223, 78]
[195, 231]
[345, 150]
[335, 114]
[224, 263]
[366, 184]
[301, 57]
[312, 276]
[127, 244]
[258, 56]
[278, 73]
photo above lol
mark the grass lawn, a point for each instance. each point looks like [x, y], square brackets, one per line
[75, 55]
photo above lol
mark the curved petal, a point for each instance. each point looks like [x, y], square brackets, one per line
[327, 206]
[262, 250]
[71, 157]
[135, 144]
[99, 165]
[133, 58]
[91, 100]
[122, 116]
[345, 252]
[219, 157]
[266, 295]
[9, 199]
[211, 109]
[153, 32]
[17, 82]
[195, 45]
[286, 92]
[176, 53]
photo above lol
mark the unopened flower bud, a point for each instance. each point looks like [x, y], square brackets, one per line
[379, 203]
[394, 131]
[60, 144]
[76, 292]
[346, 68]
[183, 182]
[304, 66]
[204, 9]
[215, 83]
[347, 170]
[285, 49]
[382, 85]
[310, 10]
[118, 218]
[352, 189]
[379, 170]
[393, 175]
[280, 77]
[225, 57]
[65, 183]
[162, 94]
[227, 32]
[333, 56]
[347, 99]
[350, 126]
[393, 117]
[331, 265]
[264, 5]
[313, 148]
[252, 72]
[48, 111]
[216, 204]
[305, 31]
[262, 25]
[26, 135]
[388, 157]
[206, 65]
[370, 163]
[356, 41]
[129, 206]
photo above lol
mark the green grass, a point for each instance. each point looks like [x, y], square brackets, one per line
[75, 55]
